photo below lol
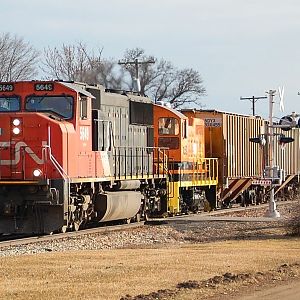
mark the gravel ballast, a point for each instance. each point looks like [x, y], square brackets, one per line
[167, 234]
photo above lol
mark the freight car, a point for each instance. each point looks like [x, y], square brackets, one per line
[241, 163]
[71, 153]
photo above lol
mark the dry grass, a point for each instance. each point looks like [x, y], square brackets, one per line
[293, 223]
[110, 274]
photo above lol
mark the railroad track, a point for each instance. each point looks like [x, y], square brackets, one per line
[46, 238]
[36, 239]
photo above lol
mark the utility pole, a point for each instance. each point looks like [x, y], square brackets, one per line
[136, 63]
[253, 100]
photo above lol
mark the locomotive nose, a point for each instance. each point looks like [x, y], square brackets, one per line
[20, 157]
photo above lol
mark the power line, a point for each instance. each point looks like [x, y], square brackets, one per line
[136, 63]
[253, 99]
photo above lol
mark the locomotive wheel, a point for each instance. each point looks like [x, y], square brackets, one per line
[64, 229]
[127, 221]
[76, 225]
[138, 217]
[146, 216]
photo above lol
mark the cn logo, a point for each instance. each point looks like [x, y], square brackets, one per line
[16, 160]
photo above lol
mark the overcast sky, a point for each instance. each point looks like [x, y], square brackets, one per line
[240, 47]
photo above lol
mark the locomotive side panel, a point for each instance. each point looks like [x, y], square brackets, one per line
[127, 121]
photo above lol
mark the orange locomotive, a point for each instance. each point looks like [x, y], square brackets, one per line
[193, 178]
[71, 153]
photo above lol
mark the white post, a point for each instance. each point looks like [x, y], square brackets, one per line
[272, 212]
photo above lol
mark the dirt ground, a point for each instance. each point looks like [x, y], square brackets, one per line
[197, 266]
[184, 270]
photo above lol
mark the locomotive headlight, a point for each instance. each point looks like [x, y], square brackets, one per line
[16, 122]
[16, 130]
[37, 173]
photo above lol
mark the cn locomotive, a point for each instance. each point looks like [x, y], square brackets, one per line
[71, 154]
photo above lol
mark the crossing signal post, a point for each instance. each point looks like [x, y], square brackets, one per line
[272, 172]
[272, 212]
[288, 123]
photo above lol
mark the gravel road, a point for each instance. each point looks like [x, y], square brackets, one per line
[289, 291]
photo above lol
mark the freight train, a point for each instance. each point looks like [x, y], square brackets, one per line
[73, 153]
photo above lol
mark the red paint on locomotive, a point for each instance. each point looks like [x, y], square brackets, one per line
[47, 136]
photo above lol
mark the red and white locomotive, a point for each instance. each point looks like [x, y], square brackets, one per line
[71, 153]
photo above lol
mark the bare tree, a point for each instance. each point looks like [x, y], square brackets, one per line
[76, 62]
[67, 63]
[162, 81]
[18, 58]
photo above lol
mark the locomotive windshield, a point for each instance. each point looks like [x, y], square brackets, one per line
[60, 105]
[9, 104]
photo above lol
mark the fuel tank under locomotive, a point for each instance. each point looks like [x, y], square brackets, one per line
[119, 205]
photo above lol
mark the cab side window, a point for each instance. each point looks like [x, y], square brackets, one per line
[168, 126]
[83, 108]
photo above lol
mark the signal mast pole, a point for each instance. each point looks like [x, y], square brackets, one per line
[272, 212]
[253, 100]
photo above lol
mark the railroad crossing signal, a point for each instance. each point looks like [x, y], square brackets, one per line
[282, 140]
[285, 140]
[259, 140]
[288, 122]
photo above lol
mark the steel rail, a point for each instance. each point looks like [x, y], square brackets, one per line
[112, 228]
[45, 238]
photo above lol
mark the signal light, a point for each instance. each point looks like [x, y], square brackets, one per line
[255, 140]
[285, 140]
[288, 121]
[258, 140]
